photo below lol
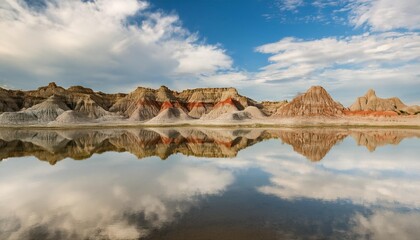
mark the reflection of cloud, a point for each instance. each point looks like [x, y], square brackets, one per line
[351, 174]
[111, 195]
[386, 225]
[79, 200]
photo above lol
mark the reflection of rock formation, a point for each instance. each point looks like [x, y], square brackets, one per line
[375, 138]
[55, 145]
[314, 144]
[106, 200]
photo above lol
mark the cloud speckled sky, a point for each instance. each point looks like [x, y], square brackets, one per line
[269, 50]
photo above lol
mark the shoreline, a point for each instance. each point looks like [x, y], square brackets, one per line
[407, 123]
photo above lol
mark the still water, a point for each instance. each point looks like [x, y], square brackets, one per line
[210, 184]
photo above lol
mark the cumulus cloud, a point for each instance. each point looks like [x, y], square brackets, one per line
[369, 60]
[103, 44]
[385, 15]
[293, 57]
[112, 45]
[385, 60]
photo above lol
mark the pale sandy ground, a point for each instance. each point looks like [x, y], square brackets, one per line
[400, 121]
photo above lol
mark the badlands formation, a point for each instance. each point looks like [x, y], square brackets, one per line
[55, 106]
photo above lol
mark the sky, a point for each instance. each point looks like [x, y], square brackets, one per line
[268, 50]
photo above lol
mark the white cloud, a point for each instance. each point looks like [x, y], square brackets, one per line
[385, 15]
[357, 62]
[356, 51]
[327, 3]
[290, 5]
[98, 44]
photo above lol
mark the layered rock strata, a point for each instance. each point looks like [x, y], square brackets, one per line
[55, 105]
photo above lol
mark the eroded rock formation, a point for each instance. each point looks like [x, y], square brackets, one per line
[315, 102]
[370, 102]
[56, 105]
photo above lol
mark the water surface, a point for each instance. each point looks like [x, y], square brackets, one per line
[210, 184]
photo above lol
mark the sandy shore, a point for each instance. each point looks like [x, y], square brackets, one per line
[402, 121]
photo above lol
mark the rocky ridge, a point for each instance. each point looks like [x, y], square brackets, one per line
[53, 104]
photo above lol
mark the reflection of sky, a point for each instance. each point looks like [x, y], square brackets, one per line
[98, 196]
[387, 176]
[96, 193]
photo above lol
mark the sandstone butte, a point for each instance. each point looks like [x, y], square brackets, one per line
[54, 106]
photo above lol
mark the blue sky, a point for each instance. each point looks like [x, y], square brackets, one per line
[240, 25]
[269, 50]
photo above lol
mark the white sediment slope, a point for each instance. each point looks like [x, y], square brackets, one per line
[44, 112]
[143, 113]
[170, 115]
[71, 116]
[220, 110]
[249, 113]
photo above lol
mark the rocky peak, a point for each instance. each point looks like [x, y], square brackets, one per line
[164, 88]
[370, 94]
[52, 85]
[165, 94]
[315, 102]
[80, 89]
[317, 93]
[48, 90]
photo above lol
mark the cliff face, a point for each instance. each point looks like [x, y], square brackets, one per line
[142, 104]
[315, 102]
[53, 98]
[75, 104]
[269, 107]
